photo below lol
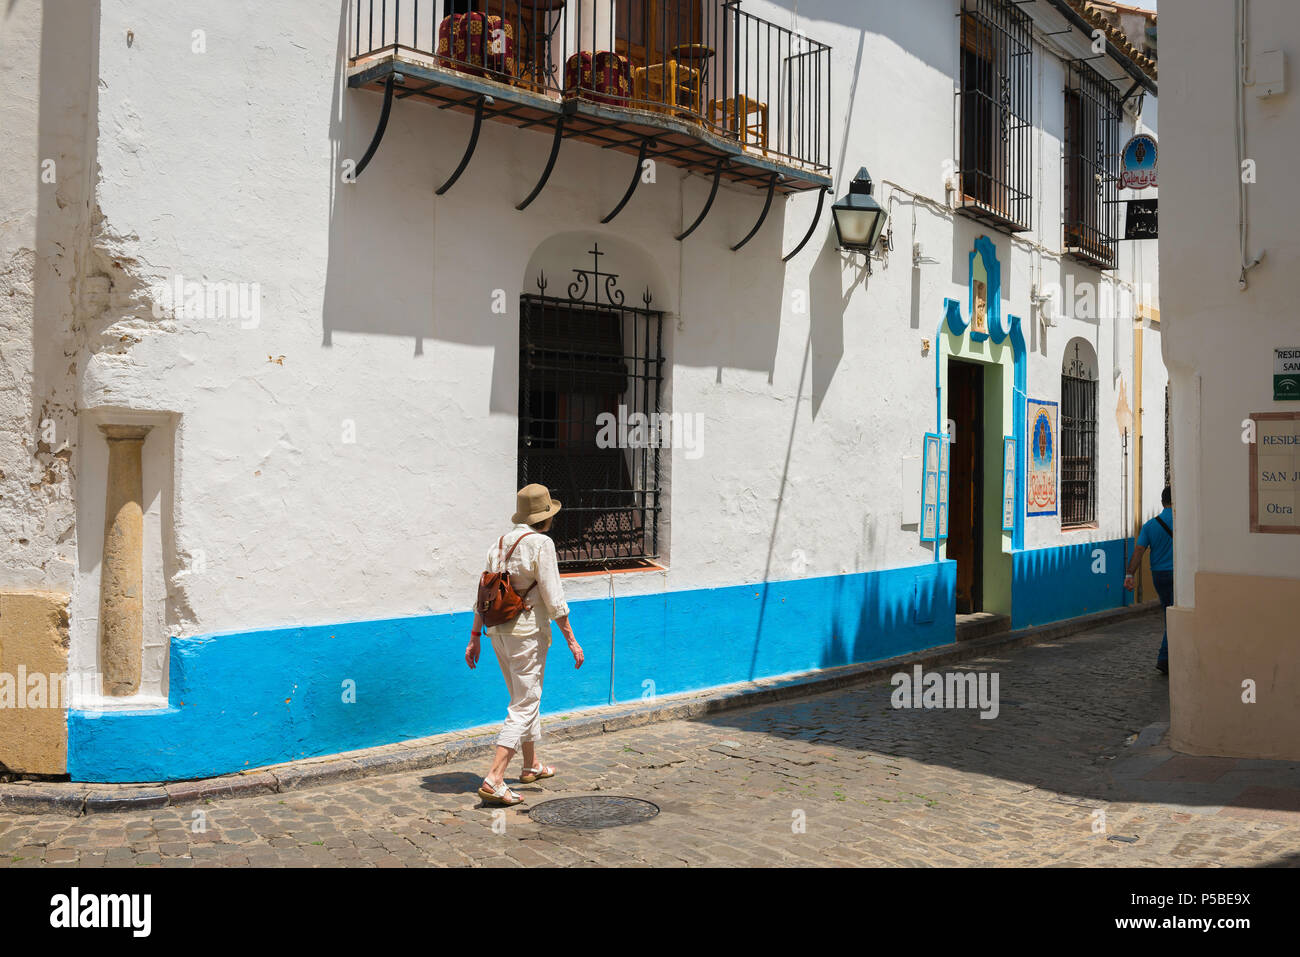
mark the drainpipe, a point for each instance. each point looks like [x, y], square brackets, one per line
[1140, 591]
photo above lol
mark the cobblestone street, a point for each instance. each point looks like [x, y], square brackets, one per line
[842, 778]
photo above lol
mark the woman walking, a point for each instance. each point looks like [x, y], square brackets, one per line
[527, 556]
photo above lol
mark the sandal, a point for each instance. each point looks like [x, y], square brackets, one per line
[501, 795]
[529, 775]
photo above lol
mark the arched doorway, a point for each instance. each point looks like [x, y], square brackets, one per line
[1078, 452]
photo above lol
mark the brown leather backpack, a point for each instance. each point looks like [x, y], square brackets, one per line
[497, 600]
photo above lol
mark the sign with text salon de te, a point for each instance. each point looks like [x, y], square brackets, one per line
[1286, 375]
[1275, 472]
[1040, 458]
[1139, 162]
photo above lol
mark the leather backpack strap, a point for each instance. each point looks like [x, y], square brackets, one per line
[514, 546]
[525, 592]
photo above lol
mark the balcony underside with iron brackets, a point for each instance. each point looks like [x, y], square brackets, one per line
[697, 84]
[673, 140]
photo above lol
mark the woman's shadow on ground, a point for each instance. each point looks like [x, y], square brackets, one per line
[463, 782]
[452, 782]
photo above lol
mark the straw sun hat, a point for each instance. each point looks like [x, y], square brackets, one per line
[534, 504]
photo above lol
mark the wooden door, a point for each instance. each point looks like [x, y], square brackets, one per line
[647, 30]
[965, 481]
[632, 28]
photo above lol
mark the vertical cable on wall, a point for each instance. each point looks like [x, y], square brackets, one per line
[1240, 27]
[613, 627]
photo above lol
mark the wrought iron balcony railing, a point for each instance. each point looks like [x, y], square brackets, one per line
[707, 63]
[1091, 166]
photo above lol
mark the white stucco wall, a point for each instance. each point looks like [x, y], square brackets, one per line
[376, 317]
[46, 117]
[897, 68]
[1220, 347]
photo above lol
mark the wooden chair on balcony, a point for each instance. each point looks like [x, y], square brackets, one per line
[668, 87]
[741, 117]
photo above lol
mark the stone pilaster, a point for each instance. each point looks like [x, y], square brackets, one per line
[121, 577]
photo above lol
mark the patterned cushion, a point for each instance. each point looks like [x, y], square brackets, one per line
[603, 76]
[461, 44]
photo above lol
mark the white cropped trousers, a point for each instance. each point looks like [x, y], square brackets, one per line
[523, 663]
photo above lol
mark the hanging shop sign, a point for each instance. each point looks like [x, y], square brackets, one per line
[1040, 480]
[1008, 483]
[934, 488]
[1275, 472]
[1142, 219]
[1139, 163]
[1286, 375]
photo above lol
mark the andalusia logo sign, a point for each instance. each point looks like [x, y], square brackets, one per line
[1286, 375]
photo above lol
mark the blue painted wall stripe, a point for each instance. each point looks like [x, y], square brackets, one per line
[245, 700]
[1052, 584]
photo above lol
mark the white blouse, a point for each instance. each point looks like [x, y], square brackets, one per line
[533, 561]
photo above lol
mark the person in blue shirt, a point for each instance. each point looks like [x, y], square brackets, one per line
[1157, 535]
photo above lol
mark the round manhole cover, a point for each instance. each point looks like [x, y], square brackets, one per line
[599, 811]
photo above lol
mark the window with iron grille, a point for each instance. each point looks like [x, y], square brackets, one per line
[589, 367]
[1092, 112]
[995, 96]
[1078, 443]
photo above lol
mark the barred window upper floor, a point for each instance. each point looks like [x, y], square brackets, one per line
[996, 114]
